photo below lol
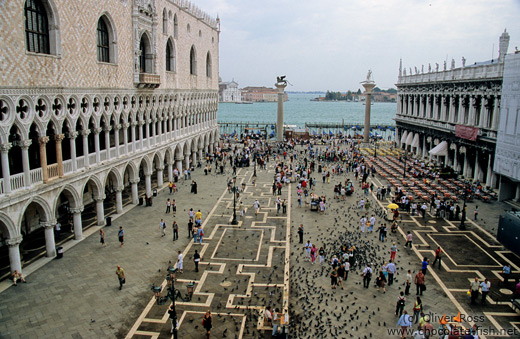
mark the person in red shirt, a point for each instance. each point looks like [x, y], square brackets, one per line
[438, 256]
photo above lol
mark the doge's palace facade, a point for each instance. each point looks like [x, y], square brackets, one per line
[99, 99]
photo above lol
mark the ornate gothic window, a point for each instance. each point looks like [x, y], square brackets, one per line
[103, 45]
[36, 27]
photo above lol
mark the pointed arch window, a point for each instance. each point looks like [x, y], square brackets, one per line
[193, 61]
[208, 65]
[170, 56]
[36, 27]
[175, 27]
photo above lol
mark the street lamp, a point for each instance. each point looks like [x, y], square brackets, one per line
[172, 294]
[254, 159]
[234, 221]
[463, 214]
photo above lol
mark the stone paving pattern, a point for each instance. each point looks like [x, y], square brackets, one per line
[62, 297]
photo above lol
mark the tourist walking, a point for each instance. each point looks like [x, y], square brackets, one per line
[401, 301]
[180, 261]
[424, 267]
[207, 323]
[175, 228]
[168, 205]
[419, 282]
[173, 318]
[102, 237]
[196, 260]
[121, 236]
[393, 251]
[473, 287]
[438, 256]
[408, 240]
[300, 233]
[162, 227]
[404, 322]
[391, 269]
[484, 287]
[417, 309]
[367, 275]
[121, 276]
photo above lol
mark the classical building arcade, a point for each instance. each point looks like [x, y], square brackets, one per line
[452, 114]
[95, 115]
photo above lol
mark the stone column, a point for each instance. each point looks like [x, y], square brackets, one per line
[85, 134]
[170, 171]
[456, 159]
[24, 145]
[119, 199]
[489, 170]
[59, 156]
[194, 158]
[423, 146]
[100, 211]
[201, 158]
[477, 167]
[4, 149]
[135, 192]
[96, 144]
[148, 183]
[147, 130]
[43, 158]
[369, 86]
[186, 161]
[133, 136]
[471, 109]
[125, 138]
[14, 253]
[72, 140]
[50, 245]
[279, 120]
[154, 133]
[465, 171]
[178, 164]
[141, 123]
[107, 130]
[78, 226]
[117, 127]
[160, 180]
[496, 114]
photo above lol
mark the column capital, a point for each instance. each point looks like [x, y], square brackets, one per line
[179, 158]
[126, 125]
[77, 209]
[141, 122]
[134, 123]
[170, 163]
[149, 121]
[59, 137]
[135, 181]
[119, 188]
[85, 132]
[24, 144]
[117, 127]
[73, 135]
[159, 168]
[43, 140]
[148, 174]
[98, 199]
[107, 128]
[49, 224]
[4, 148]
[97, 130]
[12, 242]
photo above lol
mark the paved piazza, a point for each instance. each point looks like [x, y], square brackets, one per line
[251, 265]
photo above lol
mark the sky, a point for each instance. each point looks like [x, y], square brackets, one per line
[331, 44]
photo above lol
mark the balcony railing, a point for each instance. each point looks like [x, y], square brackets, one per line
[147, 80]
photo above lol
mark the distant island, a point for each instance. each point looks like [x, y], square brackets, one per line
[378, 95]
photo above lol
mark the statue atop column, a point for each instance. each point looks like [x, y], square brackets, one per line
[369, 79]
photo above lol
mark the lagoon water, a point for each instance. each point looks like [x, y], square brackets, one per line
[299, 110]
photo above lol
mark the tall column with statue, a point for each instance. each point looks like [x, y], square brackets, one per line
[369, 85]
[281, 83]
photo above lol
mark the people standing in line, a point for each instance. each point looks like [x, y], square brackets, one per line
[300, 233]
[175, 228]
[438, 256]
[121, 236]
[121, 276]
[102, 237]
[207, 323]
[196, 260]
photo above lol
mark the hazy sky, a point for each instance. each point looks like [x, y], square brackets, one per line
[331, 44]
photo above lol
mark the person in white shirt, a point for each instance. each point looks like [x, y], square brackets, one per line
[180, 261]
[256, 205]
[308, 247]
[418, 334]
[372, 224]
[363, 223]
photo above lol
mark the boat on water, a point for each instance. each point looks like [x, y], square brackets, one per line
[244, 102]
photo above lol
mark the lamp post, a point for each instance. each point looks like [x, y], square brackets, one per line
[463, 214]
[172, 294]
[254, 159]
[404, 168]
[234, 221]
